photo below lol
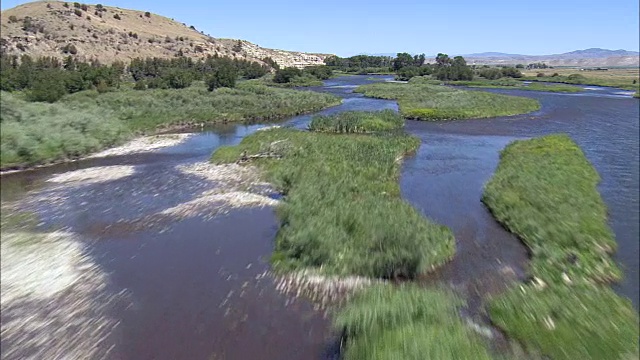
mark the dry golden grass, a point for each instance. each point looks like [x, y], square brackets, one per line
[613, 77]
[108, 39]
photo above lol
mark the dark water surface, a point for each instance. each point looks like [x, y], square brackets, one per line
[196, 288]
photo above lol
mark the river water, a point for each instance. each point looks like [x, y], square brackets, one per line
[196, 289]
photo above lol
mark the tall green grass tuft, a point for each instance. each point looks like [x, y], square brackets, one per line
[424, 101]
[358, 122]
[407, 322]
[545, 191]
[343, 213]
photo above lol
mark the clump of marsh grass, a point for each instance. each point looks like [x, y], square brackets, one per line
[358, 122]
[424, 101]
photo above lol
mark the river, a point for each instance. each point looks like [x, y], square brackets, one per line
[196, 288]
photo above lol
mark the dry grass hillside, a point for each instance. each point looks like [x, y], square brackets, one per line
[105, 33]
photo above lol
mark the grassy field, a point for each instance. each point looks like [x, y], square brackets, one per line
[431, 102]
[343, 213]
[518, 85]
[358, 122]
[544, 190]
[85, 122]
[407, 322]
[619, 78]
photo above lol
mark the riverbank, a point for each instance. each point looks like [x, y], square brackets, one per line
[422, 101]
[544, 190]
[86, 122]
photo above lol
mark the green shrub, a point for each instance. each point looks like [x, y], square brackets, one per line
[222, 76]
[48, 86]
[286, 75]
[34, 133]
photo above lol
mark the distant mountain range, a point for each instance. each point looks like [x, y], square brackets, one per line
[586, 57]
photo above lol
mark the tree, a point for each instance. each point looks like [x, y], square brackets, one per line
[402, 60]
[443, 60]
[224, 75]
[286, 75]
[48, 86]
[418, 60]
[322, 72]
[178, 79]
[147, 14]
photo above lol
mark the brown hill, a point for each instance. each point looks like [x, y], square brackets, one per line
[105, 33]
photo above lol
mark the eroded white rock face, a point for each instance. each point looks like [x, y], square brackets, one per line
[53, 299]
[93, 175]
[144, 144]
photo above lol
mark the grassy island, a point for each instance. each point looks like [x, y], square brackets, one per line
[431, 102]
[343, 213]
[545, 191]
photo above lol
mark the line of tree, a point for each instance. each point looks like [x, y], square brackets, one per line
[48, 78]
[292, 74]
[445, 68]
[180, 72]
[361, 64]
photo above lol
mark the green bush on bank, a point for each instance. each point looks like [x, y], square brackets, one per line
[358, 122]
[407, 322]
[36, 133]
[545, 191]
[421, 101]
[343, 213]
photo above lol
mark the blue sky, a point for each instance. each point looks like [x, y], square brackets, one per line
[455, 27]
